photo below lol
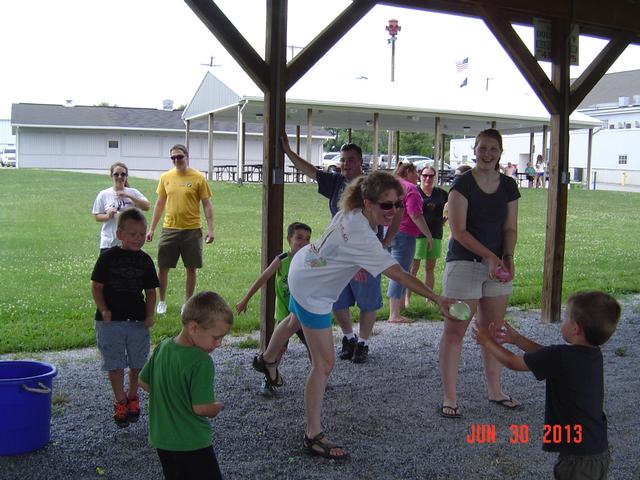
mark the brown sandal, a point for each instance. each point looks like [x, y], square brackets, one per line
[261, 365]
[315, 446]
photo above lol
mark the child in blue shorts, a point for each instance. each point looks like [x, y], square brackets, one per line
[123, 284]
[298, 235]
[179, 377]
[575, 425]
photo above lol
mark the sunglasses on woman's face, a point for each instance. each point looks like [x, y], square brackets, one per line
[428, 175]
[120, 174]
[177, 157]
[390, 205]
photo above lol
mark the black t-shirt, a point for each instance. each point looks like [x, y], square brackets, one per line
[486, 214]
[125, 275]
[331, 185]
[432, 208]
[575, 396]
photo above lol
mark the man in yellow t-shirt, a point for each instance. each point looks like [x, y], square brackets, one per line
[181, 190]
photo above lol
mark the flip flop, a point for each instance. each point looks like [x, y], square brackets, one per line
[450, 412]
[504, 403]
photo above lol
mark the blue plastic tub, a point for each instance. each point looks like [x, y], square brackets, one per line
[25, 405]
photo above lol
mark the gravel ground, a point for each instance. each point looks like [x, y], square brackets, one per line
[384, 412]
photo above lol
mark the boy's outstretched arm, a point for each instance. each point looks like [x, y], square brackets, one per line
[269, 272]
[504, 356]
[508, 334]
[208, 410]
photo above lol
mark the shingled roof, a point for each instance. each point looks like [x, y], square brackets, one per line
[611, 87]
[124, 118]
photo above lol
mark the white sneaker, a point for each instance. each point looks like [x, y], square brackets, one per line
[161, 308]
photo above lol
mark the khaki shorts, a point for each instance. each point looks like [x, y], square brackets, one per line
[176, 243]
[469, 280]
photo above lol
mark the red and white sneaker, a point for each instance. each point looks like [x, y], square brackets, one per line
[133, 409]
[120, 414]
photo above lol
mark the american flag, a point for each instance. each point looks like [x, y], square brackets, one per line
[462, 65]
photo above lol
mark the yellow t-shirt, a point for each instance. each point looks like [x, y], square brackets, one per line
[184, 192]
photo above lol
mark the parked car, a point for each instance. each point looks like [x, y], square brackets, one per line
[331, 161]
[8, 157]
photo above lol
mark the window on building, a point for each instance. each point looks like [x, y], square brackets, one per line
[627, 125]
[113, 143]
[622, 159]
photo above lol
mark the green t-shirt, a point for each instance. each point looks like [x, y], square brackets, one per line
[178, 377]
[282, 287]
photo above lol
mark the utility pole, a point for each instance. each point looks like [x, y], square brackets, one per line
[486, 88]
[393, 28]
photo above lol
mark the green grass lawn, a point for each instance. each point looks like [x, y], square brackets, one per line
[49, 244]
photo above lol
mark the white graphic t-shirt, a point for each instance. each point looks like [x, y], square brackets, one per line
[322, 269]
[106, 200]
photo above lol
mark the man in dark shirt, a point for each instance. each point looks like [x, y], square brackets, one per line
[366, 294]
[575, 424]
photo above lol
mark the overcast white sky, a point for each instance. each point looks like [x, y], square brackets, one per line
[136, 53]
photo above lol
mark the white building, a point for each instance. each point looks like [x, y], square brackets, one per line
[615, 157]
[7, 139]
[91, 137]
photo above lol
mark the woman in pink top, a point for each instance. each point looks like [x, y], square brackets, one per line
[404, 243]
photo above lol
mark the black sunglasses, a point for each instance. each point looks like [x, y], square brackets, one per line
[428, 175]
[120, 174]
[390, 205]
[177, 157]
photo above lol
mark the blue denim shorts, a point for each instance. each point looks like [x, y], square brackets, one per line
[316, 321]
[366, 294]
[122, 344]
[403, 248]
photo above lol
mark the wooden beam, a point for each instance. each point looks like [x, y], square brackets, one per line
[521, 56]
[232, 40]
[298, 139]
[326, 39]
[273, 166]
[595, 17]
[558, 178]
[596, 70]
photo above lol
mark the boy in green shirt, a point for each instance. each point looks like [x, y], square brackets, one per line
[179, 378]
[298, 235]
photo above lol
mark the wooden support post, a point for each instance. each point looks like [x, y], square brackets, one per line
[589, 150]
[389, 147]
[187, 132]
[273, 170]
[437, 129]
[298, 139]
[210, 148]
[309, 138]
[558, 177]
[376, 131]
[397, 147]
[493, 124]
[349, 135]
[240, 142]
[532, 146]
